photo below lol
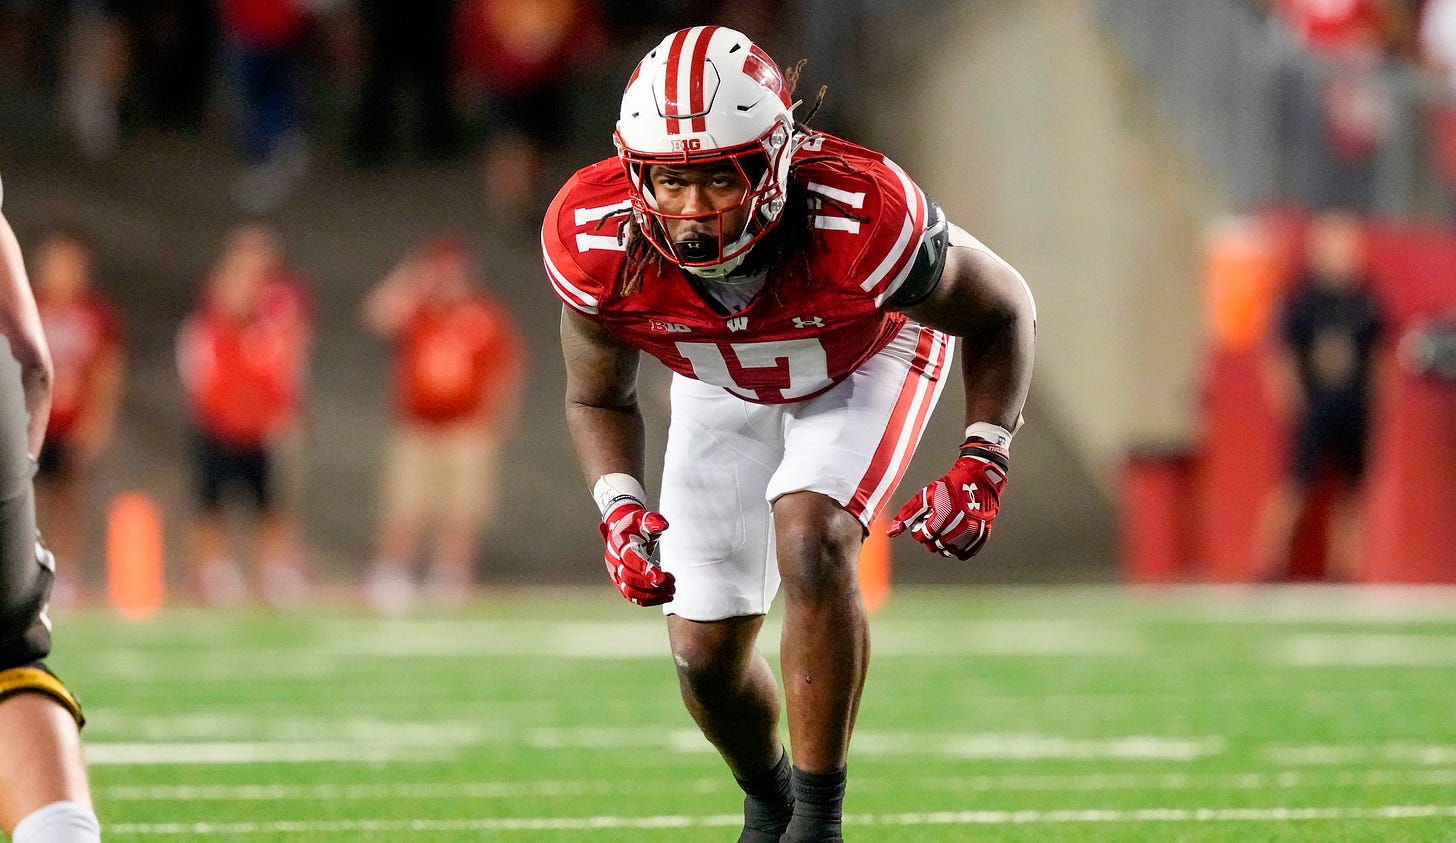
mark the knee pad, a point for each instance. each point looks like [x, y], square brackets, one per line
[37, 680]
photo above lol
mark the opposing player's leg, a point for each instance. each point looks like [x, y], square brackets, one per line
[719, 457]
[44, 797]
[40, 745]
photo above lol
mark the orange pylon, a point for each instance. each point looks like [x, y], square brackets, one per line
[134, 581]
[874, 566]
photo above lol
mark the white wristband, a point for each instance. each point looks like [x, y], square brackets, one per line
[611, 489]
[993, 433]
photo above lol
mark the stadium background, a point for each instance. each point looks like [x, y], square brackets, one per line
[1097, 144]
[159, 209]
[1094, 144]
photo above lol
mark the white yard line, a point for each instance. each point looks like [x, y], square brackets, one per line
[1342, 755]
[646, 640]
[350, 792]
[289, 752]
[306, 740]
[1051, 783]
[934, 818]
[1365, 650]
[873, 743]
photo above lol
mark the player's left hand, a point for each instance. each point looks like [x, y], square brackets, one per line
[953, 515]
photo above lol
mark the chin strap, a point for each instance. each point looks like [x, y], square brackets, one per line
[720, 271]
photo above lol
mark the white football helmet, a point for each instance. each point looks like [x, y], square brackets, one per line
[708, 94]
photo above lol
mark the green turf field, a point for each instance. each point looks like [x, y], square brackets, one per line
[1005, 715]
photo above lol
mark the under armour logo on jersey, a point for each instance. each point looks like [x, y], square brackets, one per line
[738, 323]
[811, 322]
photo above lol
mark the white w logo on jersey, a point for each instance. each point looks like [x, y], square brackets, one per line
[738, 323]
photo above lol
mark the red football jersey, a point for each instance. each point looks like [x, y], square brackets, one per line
[81, 335]
[246, 379]
[800, 335]
[453, 358]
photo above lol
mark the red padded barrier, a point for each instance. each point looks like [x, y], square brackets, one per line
[1411, 536]
[1157, 520]
[1410, 503]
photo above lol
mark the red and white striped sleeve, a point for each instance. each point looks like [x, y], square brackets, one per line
[904, 225]
[573, 247]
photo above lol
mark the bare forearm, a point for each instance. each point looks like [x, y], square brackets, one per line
[20, 323]
[36, 380]
[602, 413]
[608, 440]
[996, 369]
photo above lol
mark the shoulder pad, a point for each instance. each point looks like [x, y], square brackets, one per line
[867, 195]
[580, 237]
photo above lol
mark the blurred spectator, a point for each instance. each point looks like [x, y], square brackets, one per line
[1437, 51]
[242, 355]
[523, 54]
[264, 37]
[86, 351]
[154, 53]
[1333, 27]
[1339, 110]
[1321, 381]
[408, 45]
[457, 379]
[96, 63]
[1437, 41]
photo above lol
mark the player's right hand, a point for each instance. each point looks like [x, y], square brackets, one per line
[631, 530]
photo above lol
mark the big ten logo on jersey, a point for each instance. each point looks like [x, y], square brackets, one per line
[687, 144]
[662, 327]
[813, 143]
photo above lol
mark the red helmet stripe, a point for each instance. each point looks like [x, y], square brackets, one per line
[669, 94]
[700, 63]
[760, 68]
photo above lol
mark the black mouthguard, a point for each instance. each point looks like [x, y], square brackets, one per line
[697, 249]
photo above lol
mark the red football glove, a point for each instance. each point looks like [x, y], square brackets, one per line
[631, 532]
[953, 515]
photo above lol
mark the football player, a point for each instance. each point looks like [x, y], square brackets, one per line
[44, 794]
[807, 296]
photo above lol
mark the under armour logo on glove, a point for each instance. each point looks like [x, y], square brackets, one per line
[631, 532]
[953, 515]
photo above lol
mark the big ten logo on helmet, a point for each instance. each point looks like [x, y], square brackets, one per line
[662, 327]
[687, 144]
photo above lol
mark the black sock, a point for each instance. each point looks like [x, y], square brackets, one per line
[768, 805]
[818, 808]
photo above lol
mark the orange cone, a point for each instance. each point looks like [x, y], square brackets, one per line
[134, 581]
[874, 566]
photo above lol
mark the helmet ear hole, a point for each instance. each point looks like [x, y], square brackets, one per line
[754, 167]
